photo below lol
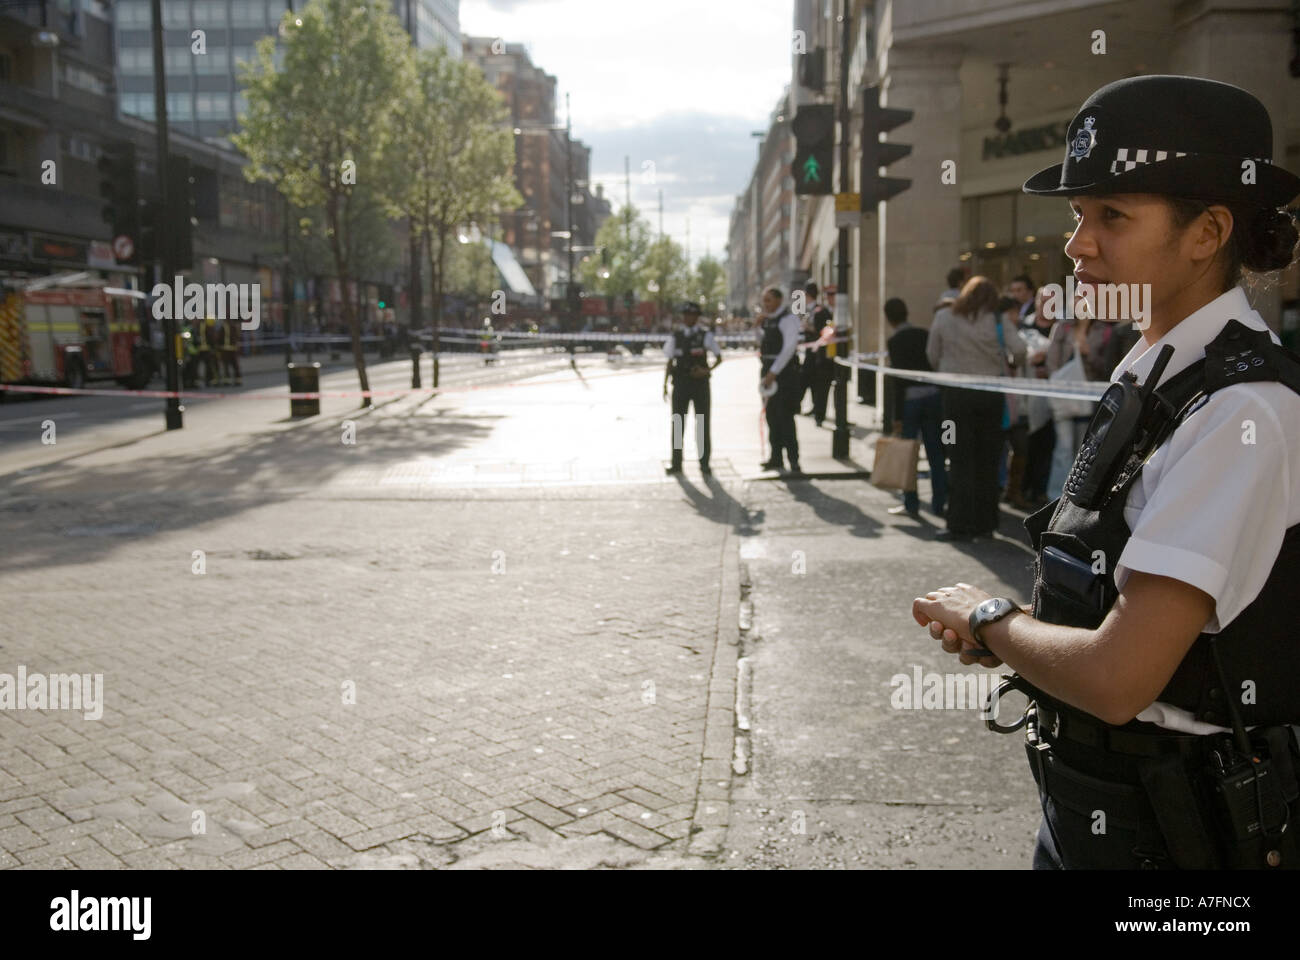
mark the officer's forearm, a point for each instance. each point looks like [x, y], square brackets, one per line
[1067, 663]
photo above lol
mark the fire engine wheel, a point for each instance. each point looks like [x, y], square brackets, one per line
[76, 375]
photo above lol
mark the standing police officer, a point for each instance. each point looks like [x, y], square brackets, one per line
[1162, 655]
[780, 366]
[688, 364]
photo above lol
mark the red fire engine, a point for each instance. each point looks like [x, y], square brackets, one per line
[74, 331]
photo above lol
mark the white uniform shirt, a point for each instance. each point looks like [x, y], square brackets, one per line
[1211, 507]
[710, 343]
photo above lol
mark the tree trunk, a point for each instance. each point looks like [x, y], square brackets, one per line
[349, 313]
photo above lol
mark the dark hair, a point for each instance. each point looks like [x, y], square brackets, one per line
[1262, 239]
[956, 276]
[1024, 278]
[977, 296]
[811, 289]
[776, 292]
[895, 311]
[1006, 303]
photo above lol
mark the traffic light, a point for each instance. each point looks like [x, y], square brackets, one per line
[814, 157]
[875, 121]
[120, 192]
[180, 212]
[150, 218]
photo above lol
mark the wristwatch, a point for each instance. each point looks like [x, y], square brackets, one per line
[990, 611]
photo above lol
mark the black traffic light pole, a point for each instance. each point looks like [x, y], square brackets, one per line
[161, 226]
[875, 188]
[840, 438]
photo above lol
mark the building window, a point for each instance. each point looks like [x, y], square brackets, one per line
[1010, 233]
[78, 149]
[246, 13]
[210, 13]
[135, 61]
[179, 60]
[215, 61]
[213, 106]
[83, 79]
[173, 15]
[180, 106]
[138, 105]
[132, 13]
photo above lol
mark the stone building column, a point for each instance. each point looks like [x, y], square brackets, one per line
[918, 232]
[1247, 43]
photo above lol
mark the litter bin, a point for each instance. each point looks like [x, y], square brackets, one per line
[304, 378]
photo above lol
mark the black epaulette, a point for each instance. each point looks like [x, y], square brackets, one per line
[1242, 355]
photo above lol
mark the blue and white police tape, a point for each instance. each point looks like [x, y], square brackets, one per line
[1090, 390]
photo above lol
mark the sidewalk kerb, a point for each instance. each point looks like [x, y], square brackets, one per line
[710, 819]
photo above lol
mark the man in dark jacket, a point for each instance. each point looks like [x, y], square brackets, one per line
[916, 406]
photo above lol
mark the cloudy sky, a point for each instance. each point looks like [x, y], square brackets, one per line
[676, 85]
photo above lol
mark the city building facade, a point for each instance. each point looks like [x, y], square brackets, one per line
[76, 79]
[536, 232]
[992, 85]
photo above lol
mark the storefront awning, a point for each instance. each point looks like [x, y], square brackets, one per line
[511, 272]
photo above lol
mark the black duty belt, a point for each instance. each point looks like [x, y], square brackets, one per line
[1081, 729]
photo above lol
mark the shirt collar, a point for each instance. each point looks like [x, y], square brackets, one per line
[1190, 336]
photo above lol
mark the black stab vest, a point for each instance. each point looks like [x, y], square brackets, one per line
[1262, 643]
[690, 355]
[773, 341]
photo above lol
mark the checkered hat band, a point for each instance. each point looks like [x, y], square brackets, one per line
[1129, 158]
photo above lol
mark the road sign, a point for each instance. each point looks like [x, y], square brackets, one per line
[123, 247]
[848, 210]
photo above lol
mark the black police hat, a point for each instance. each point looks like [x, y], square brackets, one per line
[691, 307]
[1177, 136]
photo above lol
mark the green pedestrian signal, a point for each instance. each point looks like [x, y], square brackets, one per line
[812, 171]
[814, 159]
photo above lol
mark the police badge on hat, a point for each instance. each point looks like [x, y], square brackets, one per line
[1171, 135]
[1084, 140]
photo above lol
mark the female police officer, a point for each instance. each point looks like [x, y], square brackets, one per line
[1161, 652]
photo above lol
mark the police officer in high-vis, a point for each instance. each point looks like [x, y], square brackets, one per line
[688, 352]
[1161, 652]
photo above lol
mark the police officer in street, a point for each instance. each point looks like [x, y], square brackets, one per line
[780, 368]
[1161, 652]
[818, 367]
[688, 352]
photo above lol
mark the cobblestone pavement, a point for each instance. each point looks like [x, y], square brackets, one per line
[364, 675]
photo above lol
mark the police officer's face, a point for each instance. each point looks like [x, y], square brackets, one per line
[1125, 239]
[771, 303]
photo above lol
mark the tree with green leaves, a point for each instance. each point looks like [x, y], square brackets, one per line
[323, 122]
[622, 244]
[455, 156]
[664, 276]
[709, 284]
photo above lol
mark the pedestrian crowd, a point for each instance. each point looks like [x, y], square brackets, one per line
[985, 447]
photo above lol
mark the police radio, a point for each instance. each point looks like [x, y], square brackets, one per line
[1115, 429]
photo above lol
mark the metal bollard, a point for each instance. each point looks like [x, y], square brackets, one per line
[415, 366]
[304, 378]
